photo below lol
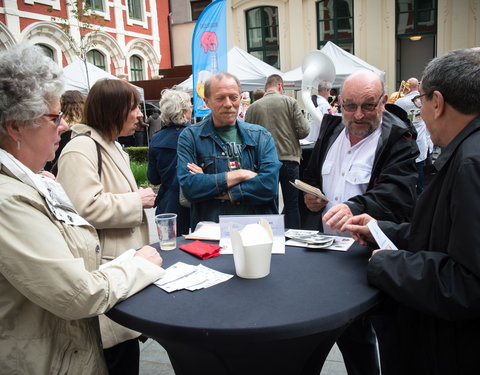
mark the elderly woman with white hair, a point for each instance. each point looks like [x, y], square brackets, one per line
[51, 290]
[176, 114]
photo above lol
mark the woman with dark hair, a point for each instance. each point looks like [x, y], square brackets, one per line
[176, 114]
[51, 290]
[95, 172]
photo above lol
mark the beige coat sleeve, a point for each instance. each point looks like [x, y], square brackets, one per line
[107, 203]
[39, 263]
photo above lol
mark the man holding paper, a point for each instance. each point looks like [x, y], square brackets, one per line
[364, 162]
[434, 284]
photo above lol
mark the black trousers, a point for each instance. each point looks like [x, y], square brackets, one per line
[123, 358]
[359, 348]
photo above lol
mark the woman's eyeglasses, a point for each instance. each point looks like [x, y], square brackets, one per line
[57, 117]
[365, 107]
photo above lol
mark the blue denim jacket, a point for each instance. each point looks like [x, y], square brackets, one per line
[201, 145]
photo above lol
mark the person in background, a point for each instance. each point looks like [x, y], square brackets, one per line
[423, 138]
[364, 162]
[141, 129]
[105, 193]
[51, 288]
[258, 94]
[227, 166]
[432, 325]
[71, 104]
[322, 106]
[282, 117]
[154, 123]
[176, 115]
[244, 103]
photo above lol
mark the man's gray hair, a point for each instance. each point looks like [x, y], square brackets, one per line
[172, 104]
[29, 83]
[457, 76]
[219, 77]
[324, 85]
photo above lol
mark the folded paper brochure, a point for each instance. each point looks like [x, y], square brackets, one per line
[300, 185]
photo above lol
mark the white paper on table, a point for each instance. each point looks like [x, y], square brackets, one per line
[186, 276]
[239, 221]
[382, 240]
[340, 244]
[129, 254]
[205, 230]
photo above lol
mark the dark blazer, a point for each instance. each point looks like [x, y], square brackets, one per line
[436, 283]
[162, 170]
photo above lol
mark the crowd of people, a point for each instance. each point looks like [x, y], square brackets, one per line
[70, 204]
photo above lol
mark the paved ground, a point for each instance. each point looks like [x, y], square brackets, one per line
[154, 359]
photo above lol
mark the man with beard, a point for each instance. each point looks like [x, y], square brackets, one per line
[226, 167]
[364, 162]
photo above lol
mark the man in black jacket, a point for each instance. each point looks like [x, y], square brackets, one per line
[434, 285]
[364, 162]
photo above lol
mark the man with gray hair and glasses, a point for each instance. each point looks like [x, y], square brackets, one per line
[322, 106]
[364, 162]
[433, 286]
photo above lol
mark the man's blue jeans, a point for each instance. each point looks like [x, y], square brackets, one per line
[290, 171]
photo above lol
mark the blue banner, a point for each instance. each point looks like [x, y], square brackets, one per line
[209, 51]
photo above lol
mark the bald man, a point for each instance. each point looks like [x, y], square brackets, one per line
[364, 162]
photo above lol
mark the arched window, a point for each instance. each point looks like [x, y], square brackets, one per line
[136, 68]
[47, 51]
[262, 34]
[335, 23]
[96, 58]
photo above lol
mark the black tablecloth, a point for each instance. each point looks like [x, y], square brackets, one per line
[308, 293]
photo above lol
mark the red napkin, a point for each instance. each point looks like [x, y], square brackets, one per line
[201, 249]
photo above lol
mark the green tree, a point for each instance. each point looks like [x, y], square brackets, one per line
[86, 20]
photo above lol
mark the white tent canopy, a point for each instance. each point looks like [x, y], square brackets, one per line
[75, 76]
[251, 71]
[345, 64]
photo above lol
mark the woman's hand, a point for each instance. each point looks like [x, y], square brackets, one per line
[148, 197]
[150, 254]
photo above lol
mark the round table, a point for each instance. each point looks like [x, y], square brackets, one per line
[284, 323]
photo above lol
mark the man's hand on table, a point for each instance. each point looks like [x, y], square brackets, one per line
[337, 216]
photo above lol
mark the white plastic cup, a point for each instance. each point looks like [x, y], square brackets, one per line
[167, 231]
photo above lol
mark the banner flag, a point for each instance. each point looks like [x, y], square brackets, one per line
[209, 51]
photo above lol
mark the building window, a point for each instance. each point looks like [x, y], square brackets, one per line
[95, 4]
[416, 17]
[197, 7]
[335, 23]
[135, 10]
[262, 34]
[47, 51]
[96, 58]
[136, 68]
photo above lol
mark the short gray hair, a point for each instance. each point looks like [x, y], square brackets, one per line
[219, 77]
[324, 85]
[172, 104]
[29, 83]
[457, 76]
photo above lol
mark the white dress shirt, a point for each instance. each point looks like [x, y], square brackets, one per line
[414, 115]
[347, 169]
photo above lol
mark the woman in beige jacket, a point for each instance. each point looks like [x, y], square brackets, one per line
[95, 172]
[51, 290]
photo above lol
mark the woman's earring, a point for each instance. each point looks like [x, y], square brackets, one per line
[18, 145]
